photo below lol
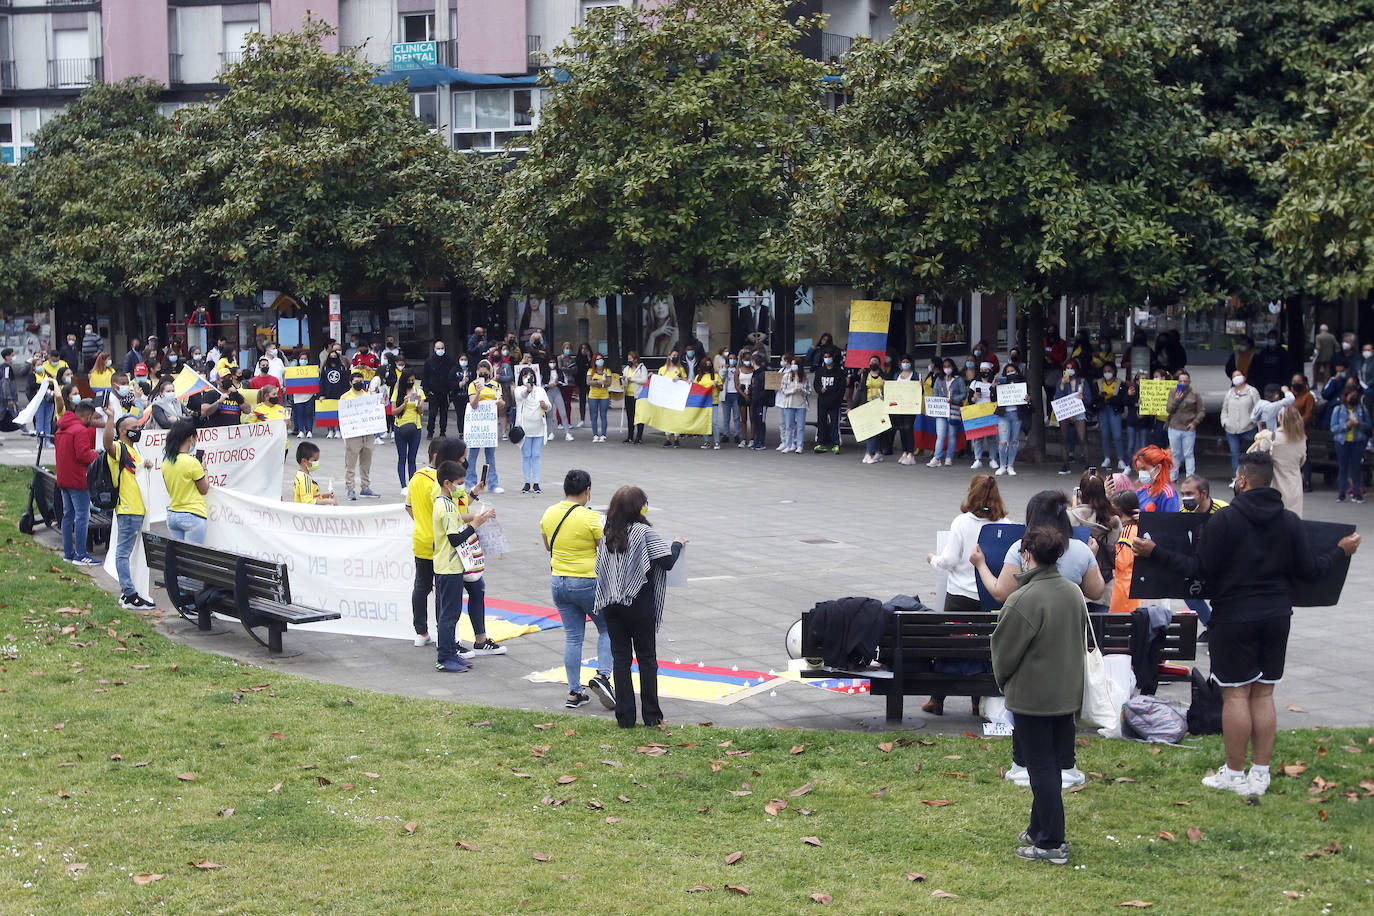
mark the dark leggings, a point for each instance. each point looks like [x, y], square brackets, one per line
[419, 594]
[630, 419]
[1043, 742]
[631, 628]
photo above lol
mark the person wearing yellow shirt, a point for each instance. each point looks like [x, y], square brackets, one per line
[454, 529]
[120, 451]
[672, 368]
[421, 492]
[407, 409]
[484, 390]
[55, 369]
[186, 483]
[707, 377]
[100, 375]
[636, 376]
[571, 534]
[269, 406]
[306, 490]
[599, 396]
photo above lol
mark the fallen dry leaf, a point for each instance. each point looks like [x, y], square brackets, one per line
[569, 732]
[278, 735]
[410, 827]
[1320, 785]
[738, 889]
[322, 781]
[613, 820]
[1296, 709]
[225, 812]
[277, 787]
[943, 895]
[541, 857]
[822, 898]
[915, 876]
[774, 806]
[885, 747]
[1138, 904]
[740, 793]
[541, 750]
[77, 867]
[936, 803]
[733, 857]
[801, 790]
[1322, 815]
[63, 793]
[811, 840]
[880, 793]
[147, 878]
[1167, 836]
[698, 888]
[348, 787]
[544, 725]
[1292, 895]
[798, 748]
[1194, 835]
[465, 846]
[595, 805]
[1293, 769]
[373, 775]
[611, 763]
[205, 864]
[565, 780]
[1330, 849]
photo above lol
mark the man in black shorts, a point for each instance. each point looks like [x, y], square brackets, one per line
[1249, 554]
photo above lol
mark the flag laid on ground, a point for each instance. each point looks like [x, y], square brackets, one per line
[680, 680]
[327, 413]
[302, 380]
[188, 382]
[980, 420]
[510, 620]
[868, 321]
[655, 406]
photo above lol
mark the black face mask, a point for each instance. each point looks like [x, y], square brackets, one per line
[272, 399]
[358, 385]
[134, 434]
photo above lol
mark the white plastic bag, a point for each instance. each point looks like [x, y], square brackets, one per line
[1121, 684]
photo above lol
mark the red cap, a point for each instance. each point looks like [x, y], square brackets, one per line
[141, 369]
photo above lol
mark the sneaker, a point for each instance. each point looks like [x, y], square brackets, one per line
[1011, 471]
[453, 666]
[677, 444]
[1000, 472]
[1121, 466]
[423, 639]
[818, 449]
[129, 602]
[1064, 469]
[878, 457]
[352, 495]
[600, 686]
[1228, 781]
[498, 490]
[537, 491]
[367, 493]
[525, 488]
[1059, 855]
[85, 561]
[466, 651]
[949, 462]
[1017, 774]
[300, 434]
[705, 445]
[1259, 781]
[487, 647]
[992, 463]
[378, 441]
[667, 444]
[738, 444]
[1341, 498]
[716, 446]
[933, 463]
[834, 449]
[1106, 461]
[977, 463]
[868, 459]
[1357, 500]
[1071, 777]
[309, 434]
[143, 602]
[549, 437]
[568, 436]
[576, 700]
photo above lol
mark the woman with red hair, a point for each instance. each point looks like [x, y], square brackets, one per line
[1155, 466]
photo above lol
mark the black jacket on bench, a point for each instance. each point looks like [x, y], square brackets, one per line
[848, 630]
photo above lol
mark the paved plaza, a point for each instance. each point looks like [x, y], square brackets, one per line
[770, 535]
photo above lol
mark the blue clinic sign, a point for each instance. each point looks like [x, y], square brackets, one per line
[414, 54]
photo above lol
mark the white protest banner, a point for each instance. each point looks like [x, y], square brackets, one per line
[669, 393]
[1068, 407]
[355, 561]
[1012, 394]
[362, 416]
[248, 457]
[480, 427]
[937, 407]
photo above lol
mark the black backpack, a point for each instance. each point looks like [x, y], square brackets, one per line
[102, 485]
[1204, 711]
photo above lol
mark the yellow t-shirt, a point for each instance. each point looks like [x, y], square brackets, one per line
[180, 476]
[448, 519]
[222, 367]
[595, 378]
[306, 490]
[265, 411]
[711, 381]
[673, 371]
[490, 392]
[130, 497]
[408, 413]
[51, 370]
[874, 386]
[421, 492]
[100, 380]
[574, 550]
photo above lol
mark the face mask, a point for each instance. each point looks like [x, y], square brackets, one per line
[1011, 376]
[949, 370]
[1347, 345]
[262, 369]
[195, 356]
[1189, 503]
[567, 351]
[1070, 372]
[358, 385]
[825, 359]
[691, 354]
[124, 391]
[484, 375]
[438, 351]
[272, 399]
[1109, 375]
[463, 363]
[1245, 348]
[172, 358]
[968, 365]
[906, 367]
[1238, 381]
[553, 367]
[1146, 475]
[505, 353]
[791, 368]
[600, 363]
[874, 369]
[1271, 344]
[71, 342]
[315, 465]
[733, 361]
[134, 434]
[271, 351]
[400, 367]
[1368, 354]
[1340, 375]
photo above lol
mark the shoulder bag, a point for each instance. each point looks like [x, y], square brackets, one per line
[1097, 710]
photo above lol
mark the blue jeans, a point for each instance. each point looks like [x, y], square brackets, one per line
[470, 480]
[303, 417]
[1182, 443]
[574, 598]
[1109, 422]
[186, 526]
[1349, 469]
[448, 607]
[42, 420]
[1199, 607]
[716, 410]
[793, 427]
[407, 448]
[730, 408]
[946, 439]
[1240, 443]
[128, 527]
[1008, 436]
[531, 457]
[599, 407]
[76, 520]
[978, 446]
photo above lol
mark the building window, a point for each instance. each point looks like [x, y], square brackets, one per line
[417, 27]
[486, 119]
[425, 105]
[591, 7]
[71, 65]
[235, 37]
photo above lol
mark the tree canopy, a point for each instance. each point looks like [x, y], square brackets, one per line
[666, 161]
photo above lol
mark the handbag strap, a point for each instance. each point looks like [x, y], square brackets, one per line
[1089, 632]
[553, 537]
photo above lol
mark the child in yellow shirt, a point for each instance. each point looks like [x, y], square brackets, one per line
[306, 490]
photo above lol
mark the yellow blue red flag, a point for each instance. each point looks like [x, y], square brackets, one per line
[868, 321]
[694, 419]
[188, 382]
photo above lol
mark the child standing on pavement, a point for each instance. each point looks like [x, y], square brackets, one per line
[458, 565]
[305, 489]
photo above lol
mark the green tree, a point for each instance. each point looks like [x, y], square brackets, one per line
[1017, 145]
[308, 177]
[666, 161]
[77, 183]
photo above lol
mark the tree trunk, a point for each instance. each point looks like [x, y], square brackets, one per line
[1035, 376]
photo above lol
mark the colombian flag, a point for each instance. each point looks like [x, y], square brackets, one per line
[189, 382]
[327, 412]
[868, 321]
[302, 380]
[692, 420]
[979, 420]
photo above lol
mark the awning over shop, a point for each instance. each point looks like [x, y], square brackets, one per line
[428, 76]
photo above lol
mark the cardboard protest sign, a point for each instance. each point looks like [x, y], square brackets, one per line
[937, 407]
[1012, 394]
[1154, 396]
[903, 397]
[1068, 407]
[362, 416]
[869, 419]
[480, 427]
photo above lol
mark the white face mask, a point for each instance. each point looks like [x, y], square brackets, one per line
[1109, 375]
[1238, 381]
[1146, 476]
[1368, 354]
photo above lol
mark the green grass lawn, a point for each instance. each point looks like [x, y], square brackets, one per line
[126, 755]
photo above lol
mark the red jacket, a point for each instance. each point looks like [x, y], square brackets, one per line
[75, 443]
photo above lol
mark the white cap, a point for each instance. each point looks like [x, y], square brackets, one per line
[985, 365]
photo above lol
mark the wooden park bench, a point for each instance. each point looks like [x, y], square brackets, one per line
[913, 638]
[45, 507]
[255, 591]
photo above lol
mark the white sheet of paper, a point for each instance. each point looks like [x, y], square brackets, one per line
[1068, 407]
[937, 407]
[1012, 395]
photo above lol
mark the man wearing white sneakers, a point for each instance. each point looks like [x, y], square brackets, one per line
[1249, 554]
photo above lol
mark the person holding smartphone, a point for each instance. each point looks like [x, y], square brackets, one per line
[184, 475]
[531, 406]
[484, 390]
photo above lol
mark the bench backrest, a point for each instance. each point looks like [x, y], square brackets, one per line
[214, 566]
[965, 634]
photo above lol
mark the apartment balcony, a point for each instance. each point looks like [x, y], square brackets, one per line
[534, 50]
[229, 58]
[446, 52]
[75, 72]
[7, 77]
[834, 47]
[173, 69]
